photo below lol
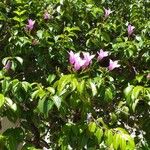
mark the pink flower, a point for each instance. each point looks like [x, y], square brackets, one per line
[130, 29]
[107, 12]
[8, 65]
[88, 59]
[46, 16]
[79, 62]
[113, 65]
[72, 57]
[102, 54]
[30, 24]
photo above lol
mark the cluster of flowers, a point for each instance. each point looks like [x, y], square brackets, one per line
[75, 60]
[31, 22]
[130, 27]
[82, 63]
[47, 16]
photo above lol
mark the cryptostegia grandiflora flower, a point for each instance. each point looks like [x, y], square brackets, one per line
[113, 64]
[102, 54]
[88, 59]
[30, 24]
[46, 15]
[78, 62]
[107, 12]
[130, 29]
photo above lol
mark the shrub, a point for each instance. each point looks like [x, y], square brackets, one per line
[75, 74]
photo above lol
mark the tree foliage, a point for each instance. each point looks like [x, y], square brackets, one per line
[59, 103]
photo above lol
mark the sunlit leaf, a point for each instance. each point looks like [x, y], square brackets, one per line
[2, 100]
[57, 101]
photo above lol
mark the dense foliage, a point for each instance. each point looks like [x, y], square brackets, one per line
[75, 74]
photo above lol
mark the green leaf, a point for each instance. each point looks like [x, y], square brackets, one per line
[4, 61]
[51, 78]
[2, 5]
[14, 137]
[5, 86]
[105, 37]
[40, 34]
[2, 16]
[30, 148]
[84, 140]
[123, 139]
[71, 29]
[139, 77]
[116, 141]
[19, 13]
[99, 134]
[19, 59]
[11, 104]
[113, 118]
[92, 127]
[74, 84]
[51, 90]
[108, 94]
[2, 141]
[57, 101]
[26, 86]
[135, 104]
[96, 11]
[93, 88]
[123, 144]
[44, 106]
[13, 65]
[127, 93]
[81, 87]
[64, 80]
[109, 135]
[128, 90]
[2, 100]
[38, 93]
[136, 91]
[61, 2]
[23, 40]
[17, 19]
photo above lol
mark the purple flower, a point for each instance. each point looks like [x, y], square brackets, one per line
[46, 16]
[107, 12]
[79, 62]
[88, 59]
[72, 57]
[30, 24]
[102, 54]
[8, 65]
[130, 29]
[113, 65]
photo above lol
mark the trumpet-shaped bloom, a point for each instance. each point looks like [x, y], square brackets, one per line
[30, 24]
[102, 54]
[79, 62]
[113, 65]
[72, 57]
[130, 29]
[8, 65]
[46, 16]
[88, 59]
[107, 12]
